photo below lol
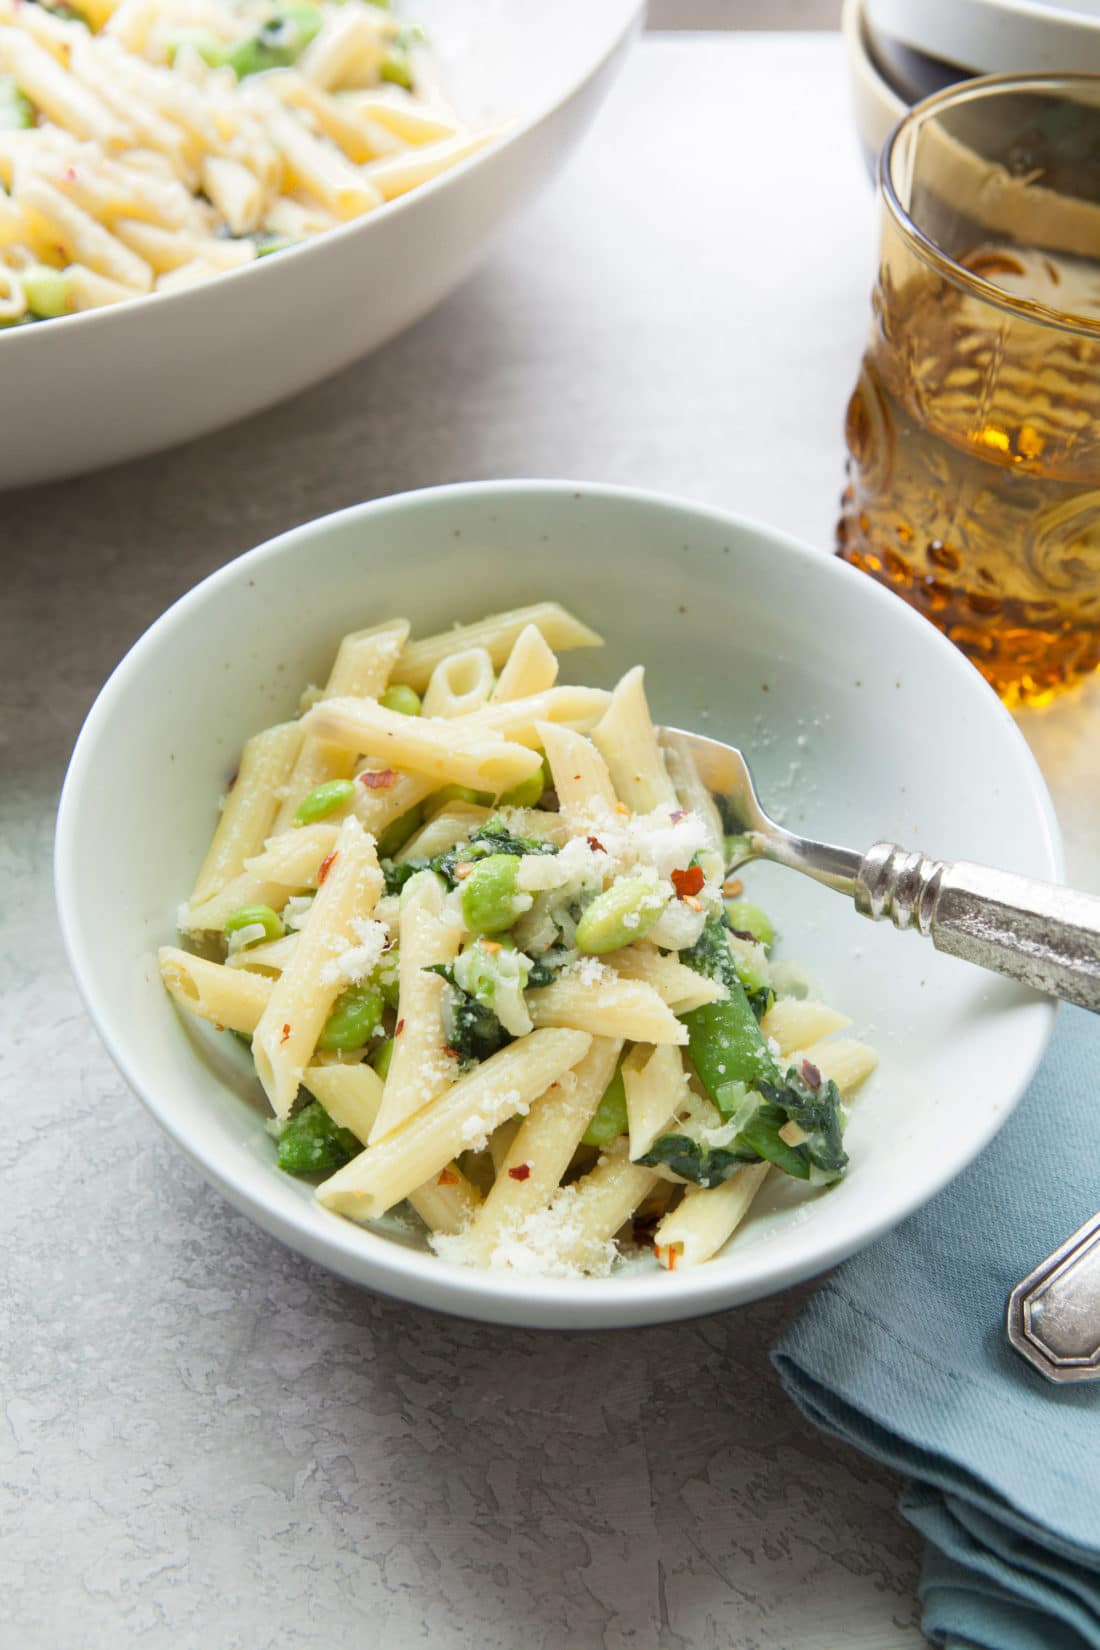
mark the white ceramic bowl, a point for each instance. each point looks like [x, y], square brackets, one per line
[876, 106]
[861, 722]
[111, 384]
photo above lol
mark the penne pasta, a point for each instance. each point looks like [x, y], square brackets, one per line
[540, 1151]
[419, 1069]
[498, 635]
[795, 1022]
[212, 991]
[248, 812]
[501, 1087]
[706, 1218]
[459, 684]
[530, 668]
[302, 997]
[627, 742]
[596, 999]
[459, 752]
[530, 1023]
[580, 775]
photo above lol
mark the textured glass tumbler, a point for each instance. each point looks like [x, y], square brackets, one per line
[974, 430]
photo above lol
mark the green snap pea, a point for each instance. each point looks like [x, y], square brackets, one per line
[49, 292]
[609, 1120]
[250, 916]
[381, 1058]
[396, 834]
[16, 108]
[356, 1015]
[324, 800]
[491, 901]
[389, 970]
[401, 698]
[623, 913]
[747, 918]
[527, 793]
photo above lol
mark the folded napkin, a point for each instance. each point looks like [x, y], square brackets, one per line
[903, 1354]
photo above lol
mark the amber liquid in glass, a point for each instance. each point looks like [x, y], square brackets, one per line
[974, 468]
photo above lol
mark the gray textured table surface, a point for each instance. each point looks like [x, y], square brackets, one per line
[209, 1442]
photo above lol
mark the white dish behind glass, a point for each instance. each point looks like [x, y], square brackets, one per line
[995, 36]
[860, 720]
[111, 384]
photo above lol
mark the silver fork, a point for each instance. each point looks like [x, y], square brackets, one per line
[1038, 933]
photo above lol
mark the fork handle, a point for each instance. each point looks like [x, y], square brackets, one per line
[1039, 933]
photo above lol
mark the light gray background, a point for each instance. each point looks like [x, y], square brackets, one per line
[208, 1442]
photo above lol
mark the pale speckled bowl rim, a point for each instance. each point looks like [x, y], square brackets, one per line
[417, 1276]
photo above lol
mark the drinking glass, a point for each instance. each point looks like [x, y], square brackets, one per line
[974, 430]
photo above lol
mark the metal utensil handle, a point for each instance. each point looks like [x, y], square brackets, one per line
[1053, 1316]
[1045, 936]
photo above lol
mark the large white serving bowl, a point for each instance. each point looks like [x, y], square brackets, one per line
[861, 721]
[111, 384]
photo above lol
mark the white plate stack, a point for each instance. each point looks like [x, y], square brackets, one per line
[900, 51]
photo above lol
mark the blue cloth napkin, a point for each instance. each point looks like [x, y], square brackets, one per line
[902, 1353]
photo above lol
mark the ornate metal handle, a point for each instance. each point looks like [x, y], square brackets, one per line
[1053, 1316]
[1043, 935]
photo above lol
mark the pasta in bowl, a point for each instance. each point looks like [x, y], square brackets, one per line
[828, 684]
[487, 941]
[155, 153]
[149, 146]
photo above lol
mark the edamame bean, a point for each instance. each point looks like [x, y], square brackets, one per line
[324, 800]
[381, 1058]
[623, 913]
[747, 918]
[253, 916]
[48, 291]
[526, 794]
[462, 793]
[396, 834]
[401, 698]
[490, 900]
[395, 67]
[356, 1016]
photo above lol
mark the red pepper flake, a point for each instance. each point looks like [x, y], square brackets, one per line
[326, 866]
[522, 1171]
[811, 1073]
[399, 1028]
[577, 776]
[674, 1251]
[378, 779]
[218, 1026]
[688, 882]
[451, 1053]
[285, 1035]
[447, 1177]
[595, 844]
